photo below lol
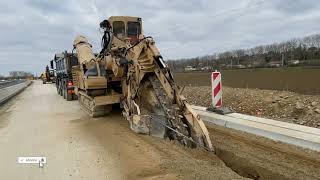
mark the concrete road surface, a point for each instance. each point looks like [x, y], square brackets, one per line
[39, 122]
[10, 91]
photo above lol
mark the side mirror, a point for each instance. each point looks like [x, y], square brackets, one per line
[51, 64]
[105, 24]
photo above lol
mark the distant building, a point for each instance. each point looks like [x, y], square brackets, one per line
[273, 64]
[294, 62]
[190, 68]
[236, 66]
[206, 68]
[239, 66]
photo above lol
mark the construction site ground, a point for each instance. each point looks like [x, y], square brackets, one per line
[293, 98]
[279, 105]
[39, 122]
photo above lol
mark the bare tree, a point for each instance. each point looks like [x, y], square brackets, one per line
[305, 49]
[20, 74]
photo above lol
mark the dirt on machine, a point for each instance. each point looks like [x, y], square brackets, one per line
[130, 71]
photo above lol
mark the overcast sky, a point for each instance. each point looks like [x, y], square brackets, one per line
[32, 31]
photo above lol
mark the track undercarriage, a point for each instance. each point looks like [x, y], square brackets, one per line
[97, 106]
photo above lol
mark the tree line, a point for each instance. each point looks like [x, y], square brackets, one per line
[294, 52]
[17, 75]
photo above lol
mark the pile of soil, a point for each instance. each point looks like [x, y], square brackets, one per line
[280, 105]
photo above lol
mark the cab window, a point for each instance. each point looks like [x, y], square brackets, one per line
[134, 29]
[119, 29]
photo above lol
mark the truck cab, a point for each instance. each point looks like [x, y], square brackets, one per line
[126, 27]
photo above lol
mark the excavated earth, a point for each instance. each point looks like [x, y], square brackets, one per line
[279, 105]
[39, 122]
[260, 158]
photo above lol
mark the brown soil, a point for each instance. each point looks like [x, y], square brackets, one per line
[259, 158]
[41, 123]
[145, 157]
[301, 79]
[280, 105]
[78, 147]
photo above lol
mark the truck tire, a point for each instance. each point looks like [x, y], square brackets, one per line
[75, 97]
[68, 96]
[58, 89]
[64, 92]
[57, 85]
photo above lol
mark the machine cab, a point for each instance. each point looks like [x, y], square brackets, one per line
[126, 27]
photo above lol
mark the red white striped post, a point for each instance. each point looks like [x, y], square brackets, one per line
[216, 89]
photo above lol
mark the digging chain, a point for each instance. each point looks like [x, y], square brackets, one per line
[173, 115]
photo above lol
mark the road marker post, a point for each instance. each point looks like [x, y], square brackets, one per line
[216, 91]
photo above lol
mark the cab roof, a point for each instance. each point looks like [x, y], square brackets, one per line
[124, 18]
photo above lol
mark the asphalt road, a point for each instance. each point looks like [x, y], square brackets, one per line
[39, 122]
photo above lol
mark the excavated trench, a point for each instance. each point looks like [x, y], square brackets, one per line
[260, 158]
[245, 168]
[241, 154]
[257, 158]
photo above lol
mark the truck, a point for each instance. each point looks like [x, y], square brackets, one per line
[63, 63]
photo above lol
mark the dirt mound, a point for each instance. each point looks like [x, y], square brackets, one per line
[280, 105]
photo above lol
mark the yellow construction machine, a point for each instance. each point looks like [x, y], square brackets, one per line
[48, 76]
[131, 71]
